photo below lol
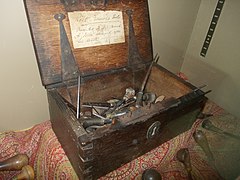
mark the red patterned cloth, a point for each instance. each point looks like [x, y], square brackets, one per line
[50, 162]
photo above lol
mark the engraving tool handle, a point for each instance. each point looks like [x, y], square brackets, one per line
[27, 173]
[14, 163]
[202, 141]
[183, 156]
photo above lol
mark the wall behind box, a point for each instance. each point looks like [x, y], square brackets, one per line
[23, 98]
[172, 22]
[220, 69]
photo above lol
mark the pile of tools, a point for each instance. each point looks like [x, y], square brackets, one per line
[94, 115]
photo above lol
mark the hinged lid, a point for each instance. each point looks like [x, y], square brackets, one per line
[94, 35]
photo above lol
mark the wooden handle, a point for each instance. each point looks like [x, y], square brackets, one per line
[27, 173]
[202, 141]
[14, 163]
[183, 156]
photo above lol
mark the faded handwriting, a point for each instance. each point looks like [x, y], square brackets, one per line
[95, 28]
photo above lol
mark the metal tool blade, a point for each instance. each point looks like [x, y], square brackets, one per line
[78, 97]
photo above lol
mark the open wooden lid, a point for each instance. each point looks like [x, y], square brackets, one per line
[91, 55]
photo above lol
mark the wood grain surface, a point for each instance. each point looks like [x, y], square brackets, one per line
[46, 38]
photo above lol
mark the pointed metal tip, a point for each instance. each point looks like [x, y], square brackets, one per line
[207, 91]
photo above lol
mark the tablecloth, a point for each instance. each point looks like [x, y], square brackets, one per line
[50, 162]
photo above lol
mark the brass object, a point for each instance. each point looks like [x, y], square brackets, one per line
[14, 163]
[27, 173]
[183, 156]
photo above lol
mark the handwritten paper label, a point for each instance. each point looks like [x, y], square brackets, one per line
[95, 28]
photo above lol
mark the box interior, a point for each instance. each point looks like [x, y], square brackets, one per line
[113, 86]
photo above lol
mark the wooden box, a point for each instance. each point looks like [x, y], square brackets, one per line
[92, 51]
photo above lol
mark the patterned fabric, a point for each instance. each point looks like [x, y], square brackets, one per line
[50, 162]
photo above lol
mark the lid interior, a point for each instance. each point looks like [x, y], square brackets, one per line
[89, 59]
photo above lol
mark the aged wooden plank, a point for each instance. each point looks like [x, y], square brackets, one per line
[46, 38]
